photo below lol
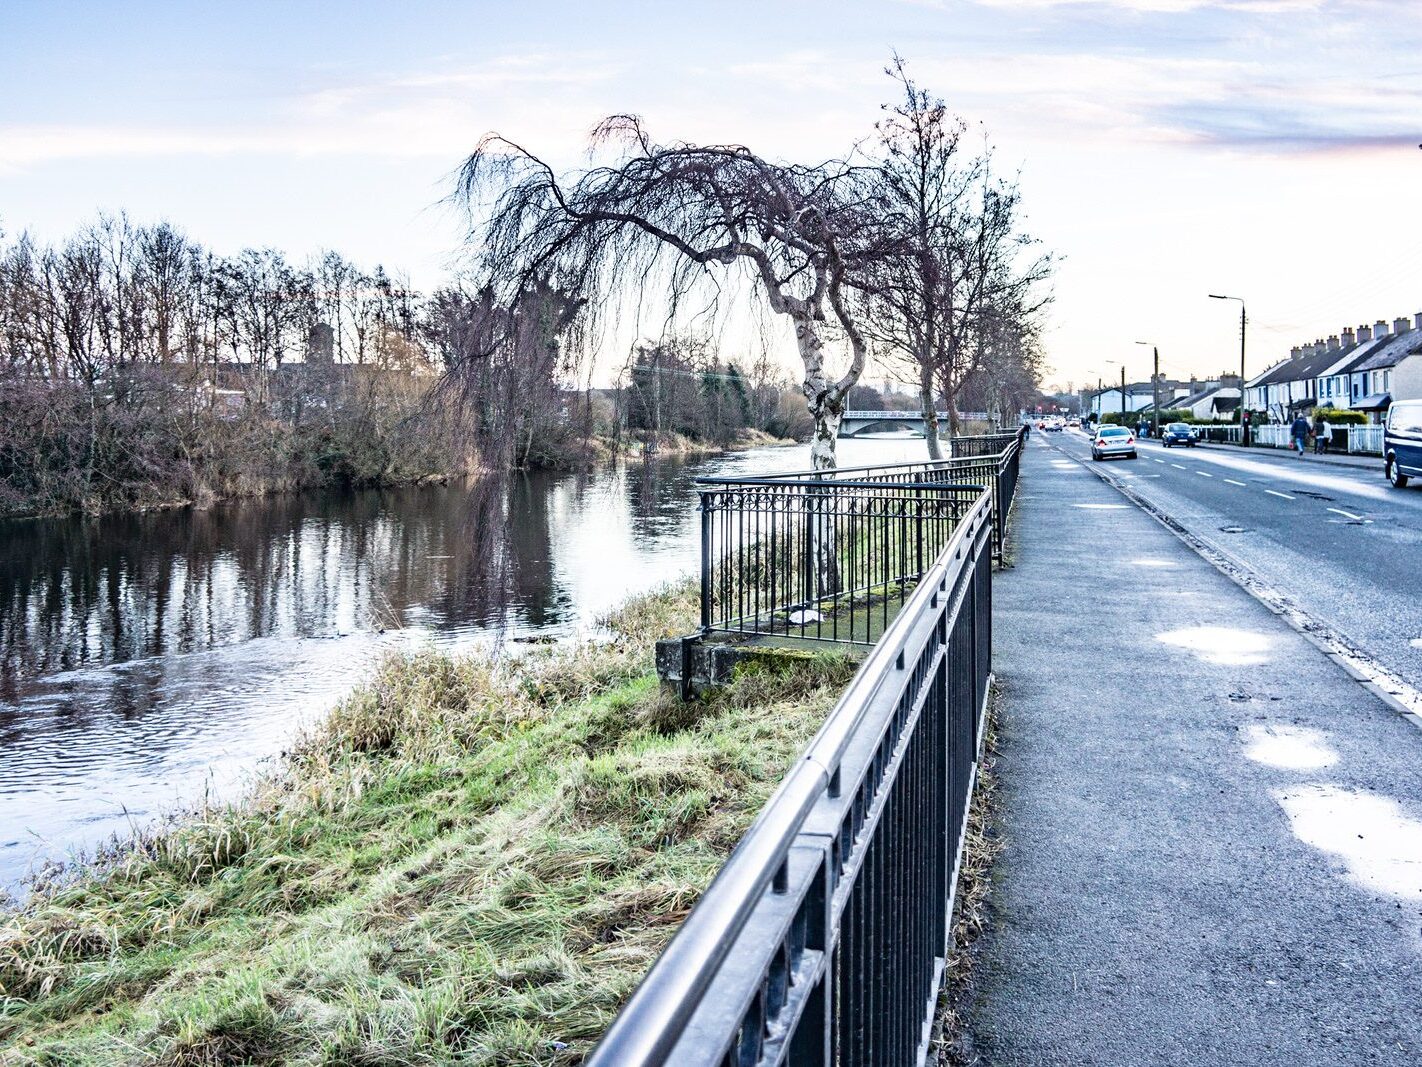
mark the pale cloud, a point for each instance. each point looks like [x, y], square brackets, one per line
[1165, 7]
[432, 113]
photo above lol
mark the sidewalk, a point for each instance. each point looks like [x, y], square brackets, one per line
[1213, 836]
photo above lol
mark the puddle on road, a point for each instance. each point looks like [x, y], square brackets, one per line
[1221, 644]
[1379, 842]
[1289, 748]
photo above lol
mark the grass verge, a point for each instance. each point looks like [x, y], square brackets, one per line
[473, 862]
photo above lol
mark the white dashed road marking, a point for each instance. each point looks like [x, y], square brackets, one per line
[1233, 482]
[1275, 492]
[1346, 514]
[1202, 474]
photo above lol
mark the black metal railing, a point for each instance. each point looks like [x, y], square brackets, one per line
[998, 469]
[820, 559]
[822, 940]
[989, 444]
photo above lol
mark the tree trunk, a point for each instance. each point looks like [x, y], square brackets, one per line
[822, 399]
[929, 410]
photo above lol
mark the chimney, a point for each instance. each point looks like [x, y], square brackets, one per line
[1347, 336]
[1333, 342]
[1365, 333]
[1418, 320]
[1400, 325]
[1380, 328]
[1295, 352]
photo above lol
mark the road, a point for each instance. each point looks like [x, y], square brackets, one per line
[1339, 541]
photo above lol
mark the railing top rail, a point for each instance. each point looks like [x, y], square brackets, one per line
[645, 1031]
[837, 473]
[822, 483]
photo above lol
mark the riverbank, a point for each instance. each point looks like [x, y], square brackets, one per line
[192, 492]
[603, 449]
[473, 860]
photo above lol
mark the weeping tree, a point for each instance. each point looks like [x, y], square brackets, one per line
[961, 263]
[680, 221]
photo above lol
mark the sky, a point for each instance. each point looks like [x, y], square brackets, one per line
[1165, 149]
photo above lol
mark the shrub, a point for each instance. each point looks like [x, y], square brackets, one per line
[1341, 418]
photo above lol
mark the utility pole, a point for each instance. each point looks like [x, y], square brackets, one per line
[1123, 394]
[1244, 432]
[1154, 390]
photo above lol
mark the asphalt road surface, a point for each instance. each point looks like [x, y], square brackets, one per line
[1340, 541]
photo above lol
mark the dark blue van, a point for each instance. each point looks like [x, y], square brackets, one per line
[1402, 442]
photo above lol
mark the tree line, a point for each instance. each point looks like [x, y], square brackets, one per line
[140, 369]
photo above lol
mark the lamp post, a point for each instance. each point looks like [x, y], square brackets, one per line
[1154, 390]
[1243, 433]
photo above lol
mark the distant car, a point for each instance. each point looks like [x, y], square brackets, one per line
[1113, 441]
[1042, 424]
[1402, 442]
[1054, 425]
[1179, 433]
[1073, 424]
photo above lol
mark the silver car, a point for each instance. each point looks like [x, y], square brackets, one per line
[1113, 441]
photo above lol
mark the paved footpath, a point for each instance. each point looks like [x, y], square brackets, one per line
[1213, 835]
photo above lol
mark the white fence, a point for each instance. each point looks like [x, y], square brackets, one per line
[1365, 440]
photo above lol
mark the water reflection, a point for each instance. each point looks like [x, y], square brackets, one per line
[145, 660]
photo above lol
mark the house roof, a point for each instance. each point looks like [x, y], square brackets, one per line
[1305, 368]
[1372, 354]
[1352, 356]
[1393, 349]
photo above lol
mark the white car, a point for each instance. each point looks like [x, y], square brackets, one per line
[1113, 441]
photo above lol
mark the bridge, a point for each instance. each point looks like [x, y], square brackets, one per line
[856, 422]
[825, 936]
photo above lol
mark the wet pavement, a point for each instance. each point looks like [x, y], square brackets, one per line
[1213, 835]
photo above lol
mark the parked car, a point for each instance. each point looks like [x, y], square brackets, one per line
[1179, 433]
[1113, 441]
[1402, 442]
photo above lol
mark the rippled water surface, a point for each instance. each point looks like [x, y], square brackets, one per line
[148, 660]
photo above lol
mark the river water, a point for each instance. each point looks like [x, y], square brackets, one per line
[148, 661]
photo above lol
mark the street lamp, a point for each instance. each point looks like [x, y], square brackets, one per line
[1216, 296]
[1154, 390]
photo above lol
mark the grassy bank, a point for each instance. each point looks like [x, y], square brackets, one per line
[473, 861]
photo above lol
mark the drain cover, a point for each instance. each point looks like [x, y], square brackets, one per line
[1233, 529]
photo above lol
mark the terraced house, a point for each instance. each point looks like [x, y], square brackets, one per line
[1361, 370]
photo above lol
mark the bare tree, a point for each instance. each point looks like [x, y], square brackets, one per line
[960, 267]
[684, 219]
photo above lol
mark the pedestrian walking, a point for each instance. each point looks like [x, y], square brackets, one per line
[1325, 437]
[1318, 433]
[1299, 432]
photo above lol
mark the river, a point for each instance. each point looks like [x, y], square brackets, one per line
[150, 661]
